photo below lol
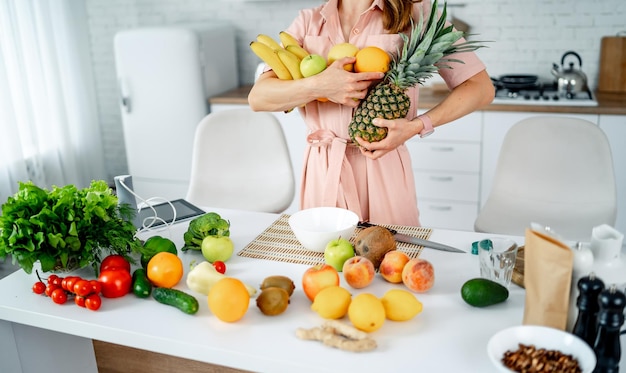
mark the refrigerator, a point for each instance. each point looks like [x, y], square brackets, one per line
[166, 76]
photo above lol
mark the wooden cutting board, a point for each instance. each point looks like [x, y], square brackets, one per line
[612, 75]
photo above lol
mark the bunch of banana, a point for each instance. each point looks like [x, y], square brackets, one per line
[284, 60]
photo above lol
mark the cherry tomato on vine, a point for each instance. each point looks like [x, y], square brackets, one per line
[82, 288]
[96, 287]
[56, 281]
[115, 282]
[50, 288]
[39, 287]
[59, 296]
[80, 301]
[220, 266]
[70, 282]
[52, 278]
[93, 302]
[114, 261]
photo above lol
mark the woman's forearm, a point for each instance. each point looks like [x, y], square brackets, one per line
[272, 94]
[469, 96]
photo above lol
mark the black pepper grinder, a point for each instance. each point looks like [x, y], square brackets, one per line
[610, 320]
[586, 325]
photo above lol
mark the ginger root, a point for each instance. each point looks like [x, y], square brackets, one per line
[338, 335]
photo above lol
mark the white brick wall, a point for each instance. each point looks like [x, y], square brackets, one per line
[526, 37]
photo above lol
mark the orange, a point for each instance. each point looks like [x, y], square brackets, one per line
[165, 269]
[229, 299]
[372, 59]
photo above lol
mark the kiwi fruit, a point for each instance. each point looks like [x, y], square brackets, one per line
[283, 282]
[373, 243]
[273, 301]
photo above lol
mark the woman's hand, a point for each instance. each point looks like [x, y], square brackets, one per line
[398, 132]
[344, 87]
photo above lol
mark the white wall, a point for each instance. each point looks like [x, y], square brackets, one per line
[526, 37]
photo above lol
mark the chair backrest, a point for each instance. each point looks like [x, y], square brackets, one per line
[554, 171]
[241, 161]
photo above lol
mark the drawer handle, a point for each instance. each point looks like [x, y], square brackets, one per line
[441, 208]
[442, 178]
[443, 148]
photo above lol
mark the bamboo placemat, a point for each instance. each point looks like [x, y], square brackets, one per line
[279, 243]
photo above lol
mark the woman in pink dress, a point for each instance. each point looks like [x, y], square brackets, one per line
[374, 180]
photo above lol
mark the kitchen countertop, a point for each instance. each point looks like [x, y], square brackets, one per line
[608, 103]
[448, 336]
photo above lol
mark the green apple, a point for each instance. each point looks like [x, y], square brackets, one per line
[337, 251]
[341, 50]
[312, 64]
[217, 248]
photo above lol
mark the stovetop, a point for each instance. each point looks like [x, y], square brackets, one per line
[543, 93]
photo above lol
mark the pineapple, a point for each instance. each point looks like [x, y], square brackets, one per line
[415, 63]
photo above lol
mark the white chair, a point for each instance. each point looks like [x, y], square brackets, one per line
[554, 171]
[241, 161]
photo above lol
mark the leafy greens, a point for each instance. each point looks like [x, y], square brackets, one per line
[65, 227]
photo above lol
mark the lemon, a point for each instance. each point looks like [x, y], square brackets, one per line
[366, 312]
[401, 305]
[332, 302]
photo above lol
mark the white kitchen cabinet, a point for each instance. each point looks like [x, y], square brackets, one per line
[495, 126]
[615, 128]
[446, 168]
[295, 133]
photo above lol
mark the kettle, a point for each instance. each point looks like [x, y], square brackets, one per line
[570, 80]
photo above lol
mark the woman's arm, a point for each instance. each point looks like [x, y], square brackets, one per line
[474, 93]
[336, 84]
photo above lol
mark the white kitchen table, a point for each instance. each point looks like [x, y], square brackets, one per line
[448, 336]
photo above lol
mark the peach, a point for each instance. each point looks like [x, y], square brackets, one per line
[418, 275]
[318, 277]
[358, 271]
[392, 265]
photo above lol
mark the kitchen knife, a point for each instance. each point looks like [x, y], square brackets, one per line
[414, 240]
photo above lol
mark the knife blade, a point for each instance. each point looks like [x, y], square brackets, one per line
[414, 240]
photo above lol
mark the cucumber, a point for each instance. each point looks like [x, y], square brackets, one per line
[141, 285]
[481, 292]
[176, 298]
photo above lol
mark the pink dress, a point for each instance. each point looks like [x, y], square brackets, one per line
[335, 173]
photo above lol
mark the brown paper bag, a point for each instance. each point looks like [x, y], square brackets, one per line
[548, 266]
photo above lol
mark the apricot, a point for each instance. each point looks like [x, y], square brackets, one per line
[418, 275]
[392, 265]
[358, 272]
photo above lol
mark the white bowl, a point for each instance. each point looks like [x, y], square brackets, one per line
[316, 227]
[541, 337]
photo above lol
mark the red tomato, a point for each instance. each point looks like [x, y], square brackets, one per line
[82, 288]
[115, 282]
[93, 302]
[220, 266]
[114, 261]
[59, 296]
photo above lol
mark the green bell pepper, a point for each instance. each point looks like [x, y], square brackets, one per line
[155, 245]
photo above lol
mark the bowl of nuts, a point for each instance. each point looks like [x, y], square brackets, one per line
[539, 349]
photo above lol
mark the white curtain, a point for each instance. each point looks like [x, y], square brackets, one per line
[49, 131]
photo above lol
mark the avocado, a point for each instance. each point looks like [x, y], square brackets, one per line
[481, 292]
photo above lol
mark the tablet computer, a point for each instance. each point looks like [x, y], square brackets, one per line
[165, 213]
